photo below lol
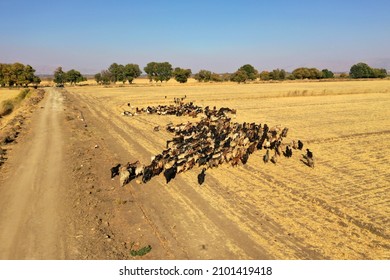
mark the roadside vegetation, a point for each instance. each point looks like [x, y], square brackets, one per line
[7, 106]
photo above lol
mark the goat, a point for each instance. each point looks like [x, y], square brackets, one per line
[147, 174]
[115, 170]
[139, 169]
[252, 148]
[274, 158]
[309, 158]
[300, 145]
[309, 154]
[201, 176]
[170, 173]
[266, 157]
[288, 152]
[284, 132]
[127, 113]
[294, 145]
[124, 176]
[245, 157]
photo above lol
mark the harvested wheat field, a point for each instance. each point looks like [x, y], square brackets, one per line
[8, 93]
[338, 210]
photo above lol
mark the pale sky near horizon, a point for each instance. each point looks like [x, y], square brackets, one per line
[219, 36]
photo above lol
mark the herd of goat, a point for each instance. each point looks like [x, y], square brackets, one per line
[208, 143]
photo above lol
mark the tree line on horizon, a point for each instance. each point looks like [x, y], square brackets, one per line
[163, 71]
[17, 74]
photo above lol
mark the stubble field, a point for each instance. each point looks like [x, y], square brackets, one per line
[8, 93]
[338, 210]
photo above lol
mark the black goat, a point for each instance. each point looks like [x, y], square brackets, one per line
[300, 145]
[288, 152]
[201, 176]
[309, 154]
[245, 157]
[309, 158]
[115, 170]
[170, 173]
[148, 174]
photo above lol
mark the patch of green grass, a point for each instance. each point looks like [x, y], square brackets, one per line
[141, 252]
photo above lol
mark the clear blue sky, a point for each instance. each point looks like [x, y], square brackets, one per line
[215, 35]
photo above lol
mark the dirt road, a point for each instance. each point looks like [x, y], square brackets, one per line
[32, 220]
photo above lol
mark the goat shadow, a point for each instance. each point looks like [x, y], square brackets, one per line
[306, 162]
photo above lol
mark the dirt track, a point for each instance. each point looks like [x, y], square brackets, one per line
[32, 216]
[68, 207]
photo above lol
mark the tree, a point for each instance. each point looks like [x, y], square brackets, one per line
[103, 78]
[277, 74]
[106, 77]
[181, 75]
[98, 78]
[151, 70]
[159, 71]
[131, 71]
[164, 71]
[216, 77]
[17, 74]
[2, 71]
[118, 72]
[315, 73]
[327, 74]
[380, 73]
[36, 81]
[250, 71]
[240, 76]
[59, 76]
[225, 77]
[74, 77]
[361, 70]
[29, 77]
[203, 76]
[307, 73]
[265, 76]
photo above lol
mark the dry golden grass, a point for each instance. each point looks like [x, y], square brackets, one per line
[338, 210]
[6, 93]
